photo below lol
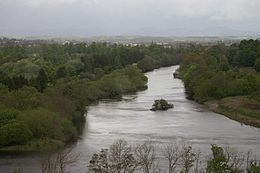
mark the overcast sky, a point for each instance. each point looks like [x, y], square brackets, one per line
[129, 17]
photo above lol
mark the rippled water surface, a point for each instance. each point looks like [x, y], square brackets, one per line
[131, 119]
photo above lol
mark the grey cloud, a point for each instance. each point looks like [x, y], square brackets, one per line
[127, 17]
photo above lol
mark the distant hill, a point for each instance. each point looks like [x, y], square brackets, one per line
[141, 39]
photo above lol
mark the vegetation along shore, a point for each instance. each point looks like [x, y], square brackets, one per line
[45, 87]
[227, 79]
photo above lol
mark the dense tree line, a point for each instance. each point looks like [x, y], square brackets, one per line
[226, 79]
[222, 71]
[245, 54]
[53, 117]
[80, 60]
[44, 88]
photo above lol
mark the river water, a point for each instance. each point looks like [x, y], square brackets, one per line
[131, 119]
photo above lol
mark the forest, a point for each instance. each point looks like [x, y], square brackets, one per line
[45, 88]
[227, 79]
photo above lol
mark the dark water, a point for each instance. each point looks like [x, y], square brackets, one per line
[130, 119]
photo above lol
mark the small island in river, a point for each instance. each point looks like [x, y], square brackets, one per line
[161, 105]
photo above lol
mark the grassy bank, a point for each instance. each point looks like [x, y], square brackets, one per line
[241, 109]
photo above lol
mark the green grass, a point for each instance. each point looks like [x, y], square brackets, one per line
[241, 109]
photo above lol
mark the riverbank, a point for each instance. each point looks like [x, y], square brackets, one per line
[226, 84]
[177, 74]
[240, 108]
[40, 129]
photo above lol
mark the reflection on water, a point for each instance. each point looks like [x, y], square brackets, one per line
[130, 119]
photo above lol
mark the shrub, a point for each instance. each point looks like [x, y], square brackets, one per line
[161, 105]
[15, 133]
[257, 65]
[7, 115]
[218, 162]
[47, 124]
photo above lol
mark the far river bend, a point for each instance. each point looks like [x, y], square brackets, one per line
[131, 119]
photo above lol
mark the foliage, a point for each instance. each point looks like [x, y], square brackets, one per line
[14, 133]
[257, 65]
[24, 98]
[7, 115]
[147, 64]
[47, 124]
[41, 80]
[254, 167]
[161, 105]
[45, 87]
[61, 72]
[25, 67]
[218, 162]
[187, 159]
[213, 74]
[121, 157]
[58, 162]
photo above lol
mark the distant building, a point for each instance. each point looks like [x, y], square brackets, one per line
[66, 42]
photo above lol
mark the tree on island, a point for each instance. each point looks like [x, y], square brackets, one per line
[161, 105]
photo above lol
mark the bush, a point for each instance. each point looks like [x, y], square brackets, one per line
[24, 98]
[257, 65]
[7, 115]
[15, 133]
[218, 162]
[254, 168]
[147, 64]
[47, 124]
[161, 105]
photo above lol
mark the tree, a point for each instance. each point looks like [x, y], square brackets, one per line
[42, 80]
[19, 81]
[257, 65]
[218, 163]
[254, 167]
[23, 98]
[118, 158]
[161, 105]
[232, 54]
[145, 155]
[147, 64]
[46, 124]
[172, 154]
[248, 52]
[88, 63]
[9, 82]
[58, 162]
[61, 72]
[121, 157]
[187, 158]
[223, 63]
[14, 133]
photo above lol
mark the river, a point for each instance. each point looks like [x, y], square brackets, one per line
[131, 119]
